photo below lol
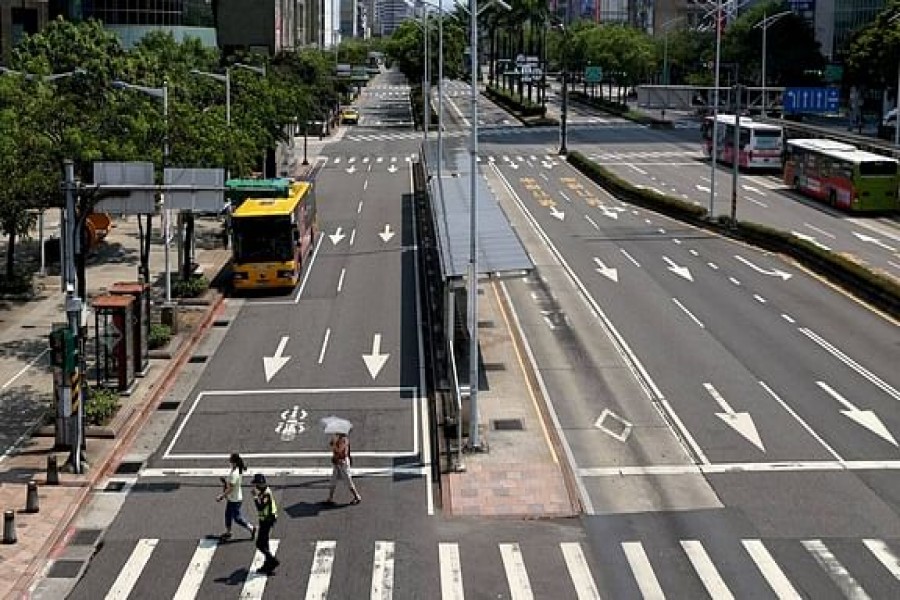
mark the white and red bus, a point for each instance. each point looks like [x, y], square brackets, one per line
[760, 145]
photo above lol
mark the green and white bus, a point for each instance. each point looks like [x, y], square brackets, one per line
[842, 175]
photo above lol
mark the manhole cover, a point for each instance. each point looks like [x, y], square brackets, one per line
[65, 569]
[85, 537]
[507, 425]
[129, 467]
[169, 405]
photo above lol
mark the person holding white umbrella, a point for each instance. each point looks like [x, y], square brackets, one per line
[339, 429]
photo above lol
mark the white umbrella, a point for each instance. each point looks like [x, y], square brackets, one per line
[333, 424]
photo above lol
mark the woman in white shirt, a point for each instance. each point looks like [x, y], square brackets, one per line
[231, 492]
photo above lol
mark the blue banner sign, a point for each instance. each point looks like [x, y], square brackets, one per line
[811, 100]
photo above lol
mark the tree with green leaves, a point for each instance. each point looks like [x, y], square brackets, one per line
[874, 51]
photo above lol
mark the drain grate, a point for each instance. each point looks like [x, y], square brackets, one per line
[198, 358]
[65, 569]
[162, 486]
[486, 324]
[129, 467]
[221, 322]
[85, 537]
[507, 425]
[494, 366]
[169, 405]
[114, 486]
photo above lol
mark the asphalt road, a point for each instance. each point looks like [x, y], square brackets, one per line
[731, 420]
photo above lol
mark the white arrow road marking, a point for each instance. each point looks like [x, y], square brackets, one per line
[379, 159]
[608, 272]
[873, 240]
[680, 271]
[555, 212]
[774, 272]
[808, 238]
[393, 159]
[337, 160]
[392, 168]
[337, 236]
[365, 159]
[375, 361]
[351, 170]
[273, 364]
[387, 234]
[866, 418]
[741, 422]
[352, 160]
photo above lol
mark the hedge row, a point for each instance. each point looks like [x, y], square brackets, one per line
[522, 107]
[880, 290]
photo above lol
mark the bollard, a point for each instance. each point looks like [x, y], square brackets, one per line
[52, 471]
[9, 527]
[32, 504]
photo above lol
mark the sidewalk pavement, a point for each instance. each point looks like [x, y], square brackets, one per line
[26, 387]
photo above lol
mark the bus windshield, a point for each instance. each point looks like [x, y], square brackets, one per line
[767, 138]
[263, 239]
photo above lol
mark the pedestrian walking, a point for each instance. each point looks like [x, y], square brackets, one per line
[234, 497]
[268, 514]
[340, 467]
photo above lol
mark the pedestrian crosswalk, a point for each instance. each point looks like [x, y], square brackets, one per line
[511, 569]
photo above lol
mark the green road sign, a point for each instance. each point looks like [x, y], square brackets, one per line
[593, 74]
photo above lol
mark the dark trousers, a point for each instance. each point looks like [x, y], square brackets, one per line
[262, 540]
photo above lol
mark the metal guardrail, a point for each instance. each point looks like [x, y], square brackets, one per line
[457, 395]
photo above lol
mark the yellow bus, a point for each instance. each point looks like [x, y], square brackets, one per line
[272, 237]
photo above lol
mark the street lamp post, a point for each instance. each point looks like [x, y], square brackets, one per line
[764, 24]
[665, 27]
[894, 19]
[45, 78]
[564, 108]
[163, 94]
[426, 80]
[715, 128]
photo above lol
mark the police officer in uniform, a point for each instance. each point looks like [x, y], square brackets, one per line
[268, 514]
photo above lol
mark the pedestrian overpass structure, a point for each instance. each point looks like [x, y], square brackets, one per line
[701, 98]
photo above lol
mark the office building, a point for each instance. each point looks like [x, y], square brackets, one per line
[390, 13]
[19, 18]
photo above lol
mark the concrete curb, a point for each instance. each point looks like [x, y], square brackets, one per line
[63, 531]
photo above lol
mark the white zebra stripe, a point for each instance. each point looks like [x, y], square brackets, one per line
[773, 574]
[516, 575]
[130, 573]
[193, 576]
[579, 571]
[255, 584]
[320, 573]
[643, 571]
[836, 571]
[706, 570]
[451, 572]
[383, 571]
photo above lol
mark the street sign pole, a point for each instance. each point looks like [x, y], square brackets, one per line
[73, 314]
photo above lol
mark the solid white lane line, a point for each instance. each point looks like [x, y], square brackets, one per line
[516, 575]
[340, 285]
[706, 570]
[451, 572]
[579, 572]
[130, 573]
[320, 573]
[773, 574]
[309, 267]
[643, 571]
[383, 571]
[803, 423]
[838, 354]
[193, 576]
[885, 556]
[255, 584]
[836, 571]
[324, 345]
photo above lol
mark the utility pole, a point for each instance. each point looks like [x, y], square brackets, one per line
[71, 391]
[736, 154]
